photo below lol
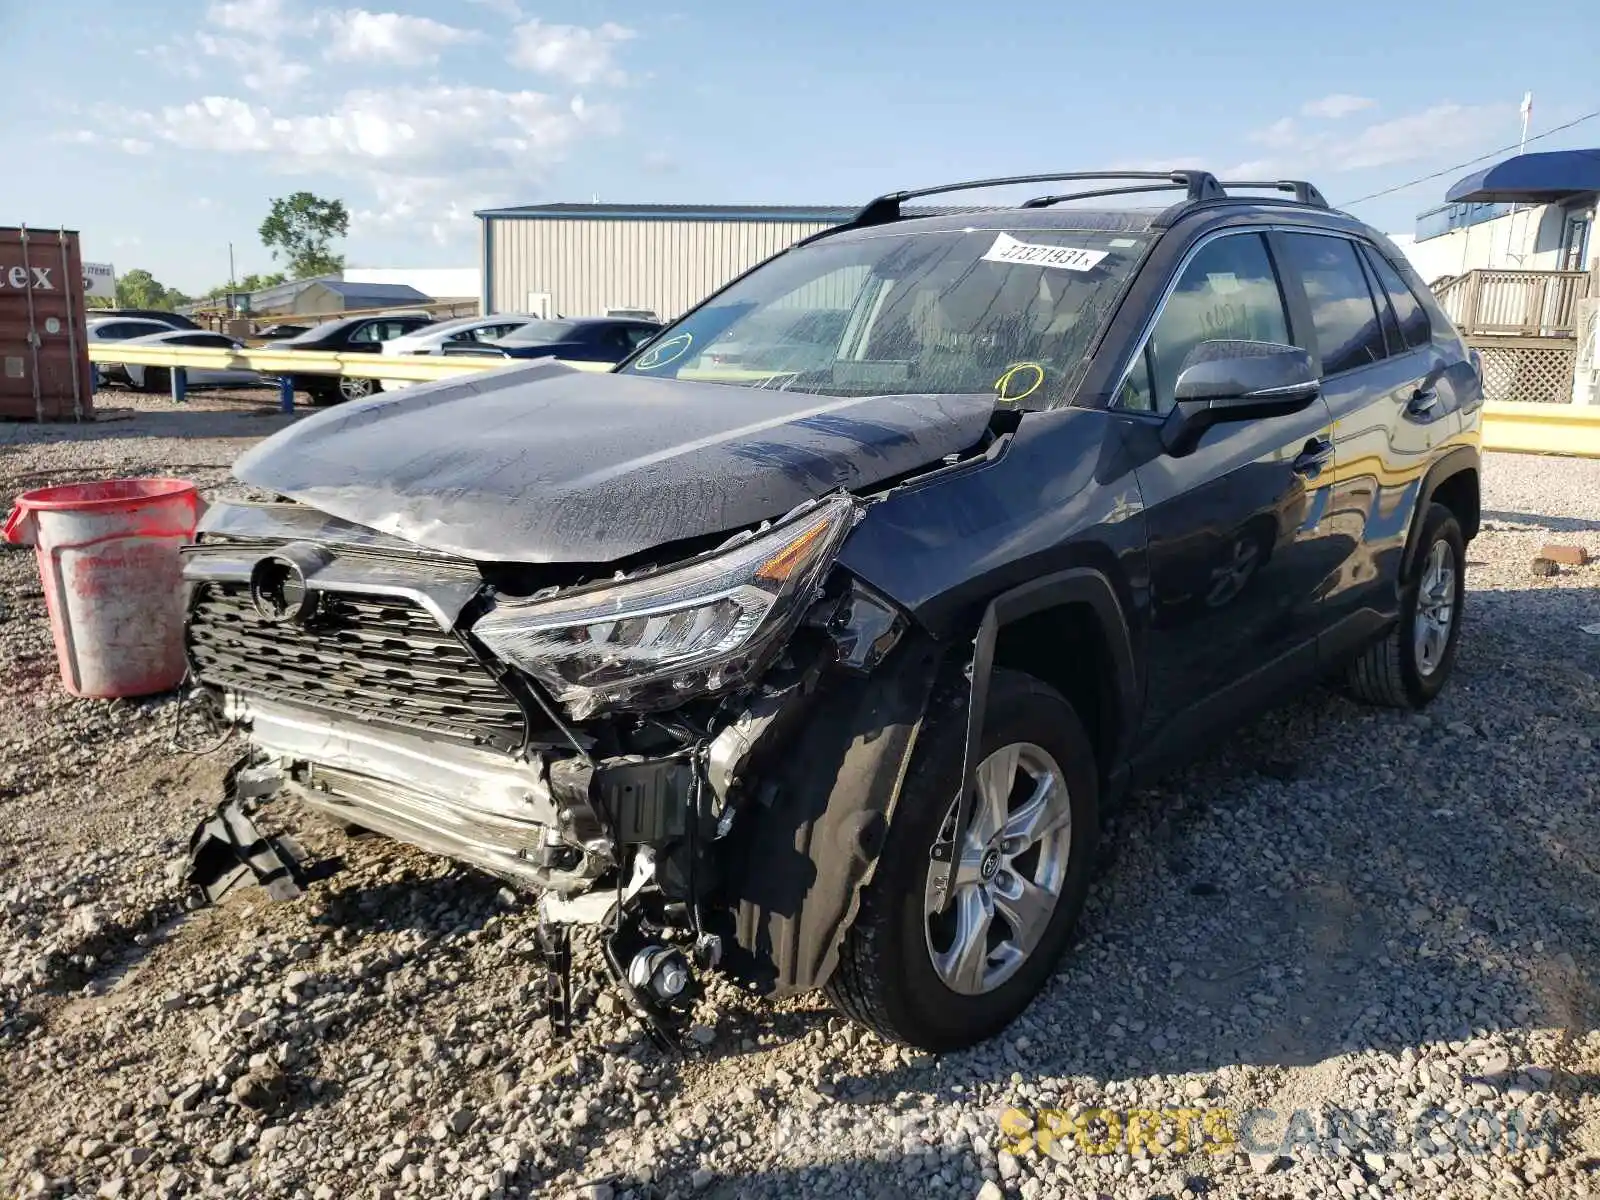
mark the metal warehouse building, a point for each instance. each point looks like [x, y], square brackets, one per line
[582, 259]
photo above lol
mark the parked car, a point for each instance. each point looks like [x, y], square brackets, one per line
[583, 339]
[350, 335]
[462, 331]
[121, 329]
[159, 379]
[827, 676]
[786, 340]
[281, 330]
[170, 319]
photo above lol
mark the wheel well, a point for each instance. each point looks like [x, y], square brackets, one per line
[1459, 493]
[1066, 648]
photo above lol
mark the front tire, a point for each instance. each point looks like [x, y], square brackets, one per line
[1412, 664]
[944, 981]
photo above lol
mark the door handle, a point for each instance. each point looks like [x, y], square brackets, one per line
[1422, 401]
[1317, 454]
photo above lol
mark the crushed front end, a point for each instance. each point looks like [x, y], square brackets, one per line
[626, 746]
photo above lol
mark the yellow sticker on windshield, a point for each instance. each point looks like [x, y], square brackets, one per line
[1019, 382]
[669, 351]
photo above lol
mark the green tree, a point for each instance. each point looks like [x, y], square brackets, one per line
[140, 289]
[250, 283]
[256, 283]
[300, 230]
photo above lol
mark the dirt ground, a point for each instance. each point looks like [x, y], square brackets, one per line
[1343, 911]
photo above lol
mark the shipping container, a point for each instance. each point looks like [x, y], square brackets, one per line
[44, 359]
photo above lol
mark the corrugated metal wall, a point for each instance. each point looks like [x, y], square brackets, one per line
[588, 265]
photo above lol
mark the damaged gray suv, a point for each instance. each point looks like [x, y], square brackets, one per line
[815, 641]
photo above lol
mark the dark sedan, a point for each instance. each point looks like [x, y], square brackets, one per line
[584, 339]
[348, 335]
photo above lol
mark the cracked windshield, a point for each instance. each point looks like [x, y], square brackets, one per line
[965, 311]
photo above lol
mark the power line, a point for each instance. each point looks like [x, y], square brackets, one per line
[1400, 187]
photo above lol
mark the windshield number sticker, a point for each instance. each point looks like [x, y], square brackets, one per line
[1007, 249]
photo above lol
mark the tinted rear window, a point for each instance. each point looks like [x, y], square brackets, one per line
[1413, 318]
[540, 333]
[1342, 311]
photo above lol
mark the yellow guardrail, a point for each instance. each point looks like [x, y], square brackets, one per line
[1571, 429]
[418, 368]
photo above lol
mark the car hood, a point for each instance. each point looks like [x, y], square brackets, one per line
[548, 464]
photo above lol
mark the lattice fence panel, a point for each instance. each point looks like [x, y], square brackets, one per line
[1532, 374]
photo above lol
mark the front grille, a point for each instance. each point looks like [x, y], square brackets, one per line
[377, 658]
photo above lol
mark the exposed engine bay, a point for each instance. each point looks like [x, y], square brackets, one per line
[405, 693]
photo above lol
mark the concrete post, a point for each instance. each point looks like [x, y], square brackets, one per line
[1586, 362]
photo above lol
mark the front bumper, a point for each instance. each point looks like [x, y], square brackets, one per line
[461, 801]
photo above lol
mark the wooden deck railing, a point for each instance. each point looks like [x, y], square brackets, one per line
[1519, 303]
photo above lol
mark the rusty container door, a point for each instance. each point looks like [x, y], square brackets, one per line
[44, 361]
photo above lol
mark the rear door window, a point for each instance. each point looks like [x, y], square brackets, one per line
[1413, 318]
[1343, 314]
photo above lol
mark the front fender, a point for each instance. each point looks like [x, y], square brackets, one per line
[800, 855]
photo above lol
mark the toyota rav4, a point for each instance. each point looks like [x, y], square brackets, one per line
[823, 662]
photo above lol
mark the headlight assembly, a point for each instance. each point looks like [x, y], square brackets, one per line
[695, 629]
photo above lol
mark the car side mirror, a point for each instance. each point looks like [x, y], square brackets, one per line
[1236, 381]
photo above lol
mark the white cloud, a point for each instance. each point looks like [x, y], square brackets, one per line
[574, 53]
[360, 36]
[428, 156]
[1443, 128]
[1340, 104]
[509, 9]
[413, 158]
[262, 66]
[255, 18]
[440, 126]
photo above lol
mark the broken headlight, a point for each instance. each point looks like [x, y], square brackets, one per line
[696, 629]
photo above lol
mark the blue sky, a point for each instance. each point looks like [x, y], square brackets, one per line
[162, 129]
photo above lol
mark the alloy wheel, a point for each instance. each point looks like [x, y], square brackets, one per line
[354, 389]
[1010, 868]
[1436, 608]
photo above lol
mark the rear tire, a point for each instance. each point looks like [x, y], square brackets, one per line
[890, 976]
[353, 388]
[1410, 666]
[156, 379]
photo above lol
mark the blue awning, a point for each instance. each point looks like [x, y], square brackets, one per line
[1531, 179]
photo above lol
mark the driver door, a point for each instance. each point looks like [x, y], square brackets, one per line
[1233, 527]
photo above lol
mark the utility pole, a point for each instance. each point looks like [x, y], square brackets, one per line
[1522, 144]
[231, 311]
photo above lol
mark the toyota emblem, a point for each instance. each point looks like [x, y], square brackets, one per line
[279, 591]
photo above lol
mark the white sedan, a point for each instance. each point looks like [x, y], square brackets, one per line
[159, 379]
[463, 331]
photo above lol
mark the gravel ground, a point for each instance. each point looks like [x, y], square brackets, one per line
[1363, 942]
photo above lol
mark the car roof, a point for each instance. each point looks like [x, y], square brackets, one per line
[162, 335]
[155, 326]
[1141, 220]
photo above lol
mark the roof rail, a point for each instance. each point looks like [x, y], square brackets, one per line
[1304, 193]
[1201, 185]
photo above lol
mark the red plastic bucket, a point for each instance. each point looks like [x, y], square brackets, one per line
[108, 561]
